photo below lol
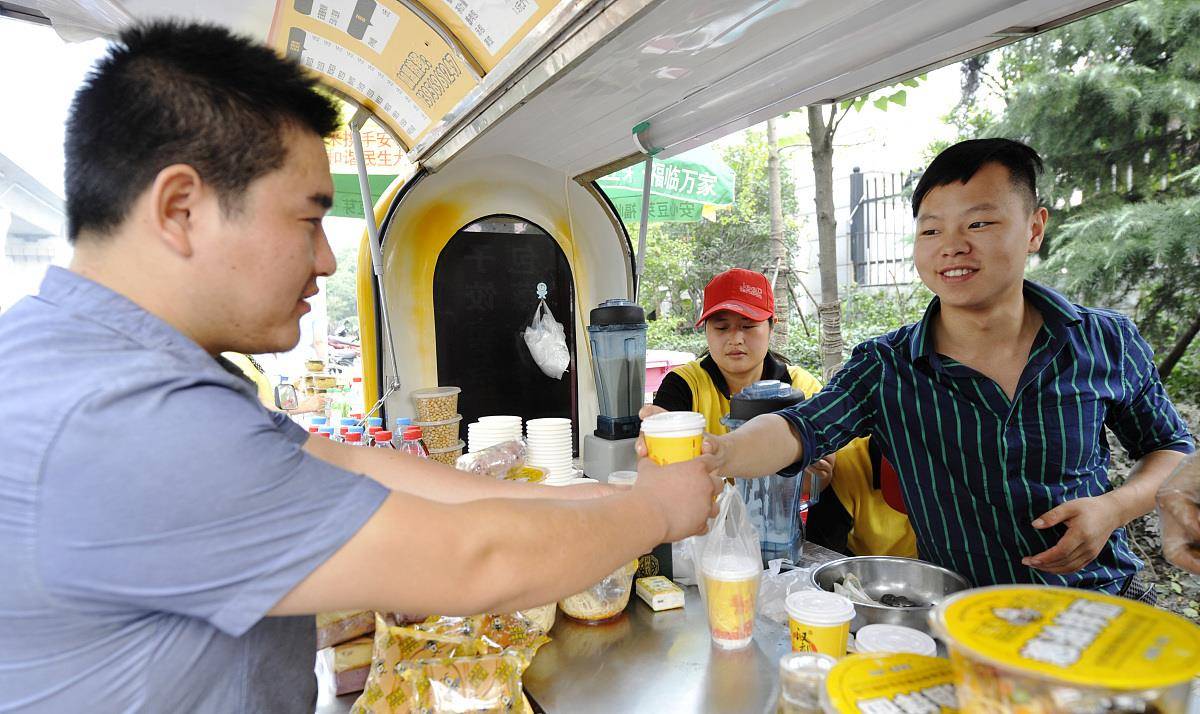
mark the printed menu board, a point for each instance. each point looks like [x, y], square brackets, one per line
[489, 29]
[380, 54]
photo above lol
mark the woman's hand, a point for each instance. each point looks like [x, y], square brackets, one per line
[311, 404]
[648, 411]
[821, 471]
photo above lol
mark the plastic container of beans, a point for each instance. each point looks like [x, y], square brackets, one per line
[435, 403]
[440, 434]
[448, 455]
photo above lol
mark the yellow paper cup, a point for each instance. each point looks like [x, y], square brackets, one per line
[672, 437]
[819, 622]
[731, 589]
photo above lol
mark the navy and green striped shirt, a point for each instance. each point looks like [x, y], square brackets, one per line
[977, 469]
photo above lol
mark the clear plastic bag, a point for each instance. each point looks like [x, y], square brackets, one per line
[1179, 516]
[495, 461]
[777, 584]
[728, 570]
[547, 342]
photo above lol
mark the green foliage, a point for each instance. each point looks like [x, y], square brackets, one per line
[1112, 103]
[341, 288]
[867, 313]
[682, 257]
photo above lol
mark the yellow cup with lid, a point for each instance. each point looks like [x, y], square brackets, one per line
[869, 683]
[1025, 649]
[819, 621]
[672, 437]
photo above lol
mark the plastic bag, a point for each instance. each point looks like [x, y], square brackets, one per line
[451, 664]
[730, 548]
[1179, 516]
[497, 461]
[547, 342]
[777, 584]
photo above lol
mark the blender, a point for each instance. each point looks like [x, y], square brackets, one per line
[776, 505]
[617, 334]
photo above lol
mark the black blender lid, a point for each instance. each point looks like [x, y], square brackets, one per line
[763, 397]
[618, 312]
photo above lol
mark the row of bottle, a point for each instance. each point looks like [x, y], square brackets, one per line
[406, 437]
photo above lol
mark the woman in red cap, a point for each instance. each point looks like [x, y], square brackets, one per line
[738, 317]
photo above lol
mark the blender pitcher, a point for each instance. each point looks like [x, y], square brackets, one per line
[618, 338]
[776, 504]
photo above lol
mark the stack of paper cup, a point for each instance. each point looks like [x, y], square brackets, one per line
[492, 430]
[548, 443]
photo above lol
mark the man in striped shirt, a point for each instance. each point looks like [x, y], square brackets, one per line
[992, 408]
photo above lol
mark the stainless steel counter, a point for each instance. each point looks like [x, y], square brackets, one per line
[646, 661]
[650, 661]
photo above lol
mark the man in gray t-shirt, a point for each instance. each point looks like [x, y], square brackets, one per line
[164, 539]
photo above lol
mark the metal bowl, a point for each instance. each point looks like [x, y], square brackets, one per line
[916, 580]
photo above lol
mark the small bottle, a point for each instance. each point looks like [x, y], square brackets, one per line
[324, 434]
[372, 434]
[374, 421]
[383, 439]
[326, 431]
[356, 395]
[318, 421]
[354, 438]
[412, 443]
[346, 423]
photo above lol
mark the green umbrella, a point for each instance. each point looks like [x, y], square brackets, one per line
[680, 187]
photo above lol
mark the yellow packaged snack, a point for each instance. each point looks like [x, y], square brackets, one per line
[1043, 650]
[868, 684]
[451, 665]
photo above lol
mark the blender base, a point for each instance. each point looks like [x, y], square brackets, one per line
[603, 456]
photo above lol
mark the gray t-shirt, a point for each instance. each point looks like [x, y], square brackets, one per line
[151, 513]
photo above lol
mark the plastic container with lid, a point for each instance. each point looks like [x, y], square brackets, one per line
[435, 403]
[440, 434]
[866, 684]
[1021, 649]
[802, 677]
[672, 437]
[449, 454]
[819, 621]
[893, 639]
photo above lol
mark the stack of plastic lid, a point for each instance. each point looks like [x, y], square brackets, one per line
[492, 430]
[549, 446]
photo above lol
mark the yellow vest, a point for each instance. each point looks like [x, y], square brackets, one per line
[266, 392]
[878, 528]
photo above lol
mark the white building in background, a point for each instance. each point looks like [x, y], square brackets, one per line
[32, 233]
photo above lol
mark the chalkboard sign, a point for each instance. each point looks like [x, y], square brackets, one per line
[484, 296]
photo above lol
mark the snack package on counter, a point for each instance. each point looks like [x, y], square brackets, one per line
[351, 665]
[775, 588]
[497, 461]
[605, 600]
[334, 628]
[452, 665]
[541, 617]
[866, 684]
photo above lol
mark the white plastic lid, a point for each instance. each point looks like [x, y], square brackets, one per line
[674, 424]
[441, 422]
[820, 608]
[458, 445]
[622, 478]
[731, 567]
[434, 392]
[894, 639]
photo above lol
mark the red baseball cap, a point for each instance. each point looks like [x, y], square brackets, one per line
[738, 290]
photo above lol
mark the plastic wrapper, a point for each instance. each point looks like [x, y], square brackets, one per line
[776, 586]
[728, 567]
[334, 628]
[1179, 516]
[497, 461]
[605, 600]
[452, 665]
[547, 342]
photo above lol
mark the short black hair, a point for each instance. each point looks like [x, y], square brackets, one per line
[173, 93]
[963, 160]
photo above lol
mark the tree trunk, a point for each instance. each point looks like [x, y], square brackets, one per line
[820, 136]
[1168, 363]
[780, 260]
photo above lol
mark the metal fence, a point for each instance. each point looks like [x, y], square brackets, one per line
[881, 227]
